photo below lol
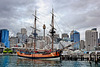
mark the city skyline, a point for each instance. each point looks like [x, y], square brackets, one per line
[78, 15]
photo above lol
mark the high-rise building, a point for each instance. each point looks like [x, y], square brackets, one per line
[56, 37]
[13, 41]
[82, 44]
[23, 31]
[39, 37]
[91, 37]
[65, 35]
[22, 37]
[47, 40]
[99, 40]
[75, 37]
[4, 37]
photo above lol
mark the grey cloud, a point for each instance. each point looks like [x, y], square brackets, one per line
[78, 14]
[12, 11]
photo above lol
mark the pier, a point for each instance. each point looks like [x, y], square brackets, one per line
[84, 57]
[13, 54]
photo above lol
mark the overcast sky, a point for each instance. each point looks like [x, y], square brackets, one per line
[80, 15]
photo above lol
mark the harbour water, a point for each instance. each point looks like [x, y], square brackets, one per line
[15, 61]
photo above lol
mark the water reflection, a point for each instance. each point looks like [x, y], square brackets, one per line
[4, 61]
[15, 61]
[37, 63]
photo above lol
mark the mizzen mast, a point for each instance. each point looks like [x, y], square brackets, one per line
[52, 29]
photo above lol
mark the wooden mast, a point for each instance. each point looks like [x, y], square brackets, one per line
[52, 30]
[35, 34]
[52, 27]
[44, 27]
[52, 18]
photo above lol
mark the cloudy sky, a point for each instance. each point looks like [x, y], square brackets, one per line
[80, 15]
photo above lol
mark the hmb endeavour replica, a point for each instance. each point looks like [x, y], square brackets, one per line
[38, 54]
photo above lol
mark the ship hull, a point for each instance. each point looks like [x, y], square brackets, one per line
[50, 56]
[55, 57]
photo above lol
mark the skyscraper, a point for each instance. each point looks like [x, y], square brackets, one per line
[99, 40]
[13, 41]
[91, 37]
[56, 36]
[82, 44]
[21, 37]
[65, 35]
[4, 37]
[75, 37]
[23, 31]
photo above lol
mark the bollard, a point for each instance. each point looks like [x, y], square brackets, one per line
[96, 58]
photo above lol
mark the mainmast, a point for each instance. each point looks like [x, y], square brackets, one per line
[44, 27]
[35, 34]
[52, 29]
[52, 18]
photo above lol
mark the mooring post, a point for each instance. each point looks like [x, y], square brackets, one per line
[96, 58]
[89, 57]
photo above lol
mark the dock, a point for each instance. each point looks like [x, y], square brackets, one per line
[13, 54]
[84, 57]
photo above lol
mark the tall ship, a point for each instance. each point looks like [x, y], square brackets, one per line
[38, 54]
